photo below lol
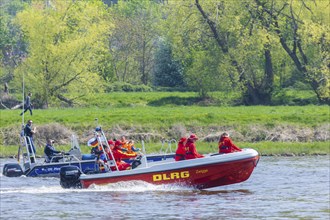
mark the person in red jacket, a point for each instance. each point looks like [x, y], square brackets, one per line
[226, 145]
[191, 151]
[181, 150]
[118, 155]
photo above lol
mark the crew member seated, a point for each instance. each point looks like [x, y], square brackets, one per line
[51, 154]
[226, 145]
[128, 145]
[180, 153]
[118, 154]
[191, 151]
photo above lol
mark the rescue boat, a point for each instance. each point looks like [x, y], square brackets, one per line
[29, 166]
[211, 171]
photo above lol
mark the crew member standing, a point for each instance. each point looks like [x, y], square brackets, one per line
[28, 133]
[226, 145]
[191, 151]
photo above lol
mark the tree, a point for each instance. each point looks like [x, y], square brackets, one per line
[12, 44]
[257, 86]
[292, 22]
[133, 40]
[167, 71]
[194, 48]
[65, 40]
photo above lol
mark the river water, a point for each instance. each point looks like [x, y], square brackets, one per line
[279, 188]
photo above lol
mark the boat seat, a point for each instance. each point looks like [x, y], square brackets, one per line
[88, 157]
[47, 159]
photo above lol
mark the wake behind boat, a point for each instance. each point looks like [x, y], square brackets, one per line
[210, 171]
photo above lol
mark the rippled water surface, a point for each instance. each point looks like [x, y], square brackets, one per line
[279, 188]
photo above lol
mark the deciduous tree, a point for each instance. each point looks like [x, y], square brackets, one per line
[65, 40]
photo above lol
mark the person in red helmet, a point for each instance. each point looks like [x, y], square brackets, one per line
[111, 144]
[122, 165]
[226, 145]
[119, 154]
[190, 147]
[180, 153]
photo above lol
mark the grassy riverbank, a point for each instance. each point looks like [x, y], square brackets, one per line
[264, 148]
[152, 116]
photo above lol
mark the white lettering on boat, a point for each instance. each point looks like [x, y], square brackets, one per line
[71, 172]
[170, 176]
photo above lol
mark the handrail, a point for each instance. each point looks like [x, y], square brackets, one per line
[145, 154]
[98, 134]
[66, 156]
[28, 143]
[169, 145]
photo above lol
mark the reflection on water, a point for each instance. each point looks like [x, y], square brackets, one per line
[279, 188]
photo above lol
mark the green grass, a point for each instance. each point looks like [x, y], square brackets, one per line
[159, 111]
[166, 116]
[264, 148]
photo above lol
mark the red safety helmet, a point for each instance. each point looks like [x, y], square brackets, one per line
[183, 139]
[193, 137]
[118, 143]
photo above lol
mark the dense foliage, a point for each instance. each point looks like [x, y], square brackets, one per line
[65, 50]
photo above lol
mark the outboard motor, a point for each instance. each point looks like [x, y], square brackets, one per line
[136, 162]
[12, 170]
[69, 177]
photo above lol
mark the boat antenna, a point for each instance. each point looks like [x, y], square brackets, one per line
[97, 122]
[23, 86]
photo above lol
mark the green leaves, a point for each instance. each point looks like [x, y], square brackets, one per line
[255, 47]
[64, 44]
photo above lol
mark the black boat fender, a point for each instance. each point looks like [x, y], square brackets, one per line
[12, 170]
[69, 177]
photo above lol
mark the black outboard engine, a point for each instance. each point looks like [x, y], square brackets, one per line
[69, 177]
[136, 162]
[12, 170]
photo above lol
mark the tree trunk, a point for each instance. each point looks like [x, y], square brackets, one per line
[260, 93]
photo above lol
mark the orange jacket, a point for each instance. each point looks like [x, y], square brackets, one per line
[129, 146]
[227, 146]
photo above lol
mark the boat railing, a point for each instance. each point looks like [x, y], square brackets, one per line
[64, 158]
[102, 139]
[169, 146]
[144, 157]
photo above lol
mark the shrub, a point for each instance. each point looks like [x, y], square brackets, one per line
[127, 87]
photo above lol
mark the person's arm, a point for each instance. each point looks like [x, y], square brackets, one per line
[194, 151]
[135, 149]
[230, 143]
[52, 149]
[124, 155]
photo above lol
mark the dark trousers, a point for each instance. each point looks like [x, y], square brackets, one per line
[27, 108]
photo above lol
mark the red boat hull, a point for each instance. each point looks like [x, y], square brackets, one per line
[200, 176]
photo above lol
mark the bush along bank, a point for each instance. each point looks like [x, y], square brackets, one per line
[284, 140]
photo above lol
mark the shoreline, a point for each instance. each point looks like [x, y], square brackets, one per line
[261, 155]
